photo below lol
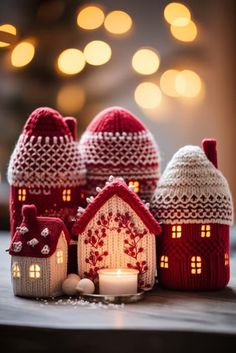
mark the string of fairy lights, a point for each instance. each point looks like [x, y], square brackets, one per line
[145, 62]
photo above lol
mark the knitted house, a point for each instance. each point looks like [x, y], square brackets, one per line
[39, 250]
[117, 143]
[46, 168]
[116, 230]
[194, 205]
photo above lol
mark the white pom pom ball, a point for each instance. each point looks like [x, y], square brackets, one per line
[69, 285]
[85, 286]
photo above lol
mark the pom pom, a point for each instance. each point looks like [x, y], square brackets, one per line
[74, 275]
[85, 286]
[69, 285]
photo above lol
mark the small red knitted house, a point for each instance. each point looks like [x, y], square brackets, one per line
[116, 230]
[194, 205]
[39, 250]
[117, 143]
[46, 168]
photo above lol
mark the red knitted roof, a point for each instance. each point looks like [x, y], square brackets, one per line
[45, 121]
[35, 226]
[119, 188]
[116, 119]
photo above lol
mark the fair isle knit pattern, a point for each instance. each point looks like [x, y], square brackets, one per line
[46, 162]
[192, 190]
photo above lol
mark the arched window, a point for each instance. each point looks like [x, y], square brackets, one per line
[176, 231]
[22, 194]
[164, 261]
[135, 185]
[205, 230]
[66, 195]
[15, 270]
[226, 259]
[196, 265]
[34, 271]
[59, 256]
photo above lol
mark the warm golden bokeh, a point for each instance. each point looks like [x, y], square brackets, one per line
[7, 28]
[148, 95]
[22, 54]
[188, 84]
[71, 61]
[186, 33]
[146, 61]
[175, 13]
[97, 53]
[167, 83]
[91, 17]
[118, 22]
[71, 99]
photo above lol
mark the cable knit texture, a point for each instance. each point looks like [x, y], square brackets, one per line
[192, 190]
[117, 143]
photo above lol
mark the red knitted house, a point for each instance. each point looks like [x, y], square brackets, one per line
[46, 168]
[116, 230]
[117, 143]
[39, 250]
[194, 205]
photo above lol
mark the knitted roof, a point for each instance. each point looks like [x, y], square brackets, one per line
[120, 189]
[37, 236]
[117, 143]
[192, 190]
[46, 154]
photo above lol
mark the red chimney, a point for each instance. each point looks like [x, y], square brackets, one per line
[72, 125]
[209, 147]
[29, 213]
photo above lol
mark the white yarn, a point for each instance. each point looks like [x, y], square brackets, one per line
[192, 190]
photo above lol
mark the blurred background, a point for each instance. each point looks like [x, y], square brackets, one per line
[171, 64]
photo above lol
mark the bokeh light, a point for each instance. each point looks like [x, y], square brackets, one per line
[168, 83]
[177, 14]
[188, 84]
[91, 17]
[97, 53]
[70, 99]
[22, 54]
[118, 22]
[186, 33]
[7, 28]
[71, 61]
[146, 61]
[148, 95]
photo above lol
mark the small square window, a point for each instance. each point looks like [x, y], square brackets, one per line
[135, 185]
[22, 195]
[15, 270]
[164, 261]
[226, 259]
[176, 231]
[196, 265]
[66, 195]
[205, 230]
[34, 271]
[59, 256]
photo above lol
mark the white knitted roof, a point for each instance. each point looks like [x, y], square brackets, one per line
[47, 162]
[192, 190]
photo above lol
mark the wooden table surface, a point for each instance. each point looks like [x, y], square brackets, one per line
[165, 321]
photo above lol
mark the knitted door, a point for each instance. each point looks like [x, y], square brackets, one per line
[46, 168]
[194, 204]
[117, 143]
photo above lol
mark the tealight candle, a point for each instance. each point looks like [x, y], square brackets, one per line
[118, 281]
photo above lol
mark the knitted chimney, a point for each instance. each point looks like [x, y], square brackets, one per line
[194, 205]
[117, 143]
[46, 168]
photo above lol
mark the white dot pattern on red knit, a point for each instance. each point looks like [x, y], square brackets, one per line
[45, 163]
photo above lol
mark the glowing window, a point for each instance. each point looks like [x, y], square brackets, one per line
[22, 194]
[196, 265]
[66, 195]
[176, 231]
[226, 259]
[205, 231]
[135, 185]
[34, 271]
[59, 256]
[15, 270]
[164, 261]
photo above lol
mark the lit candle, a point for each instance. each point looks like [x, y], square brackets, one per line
[118, 281]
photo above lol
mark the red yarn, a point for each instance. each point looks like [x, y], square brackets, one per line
[72, 125]
[115, 119]
[209, 147]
